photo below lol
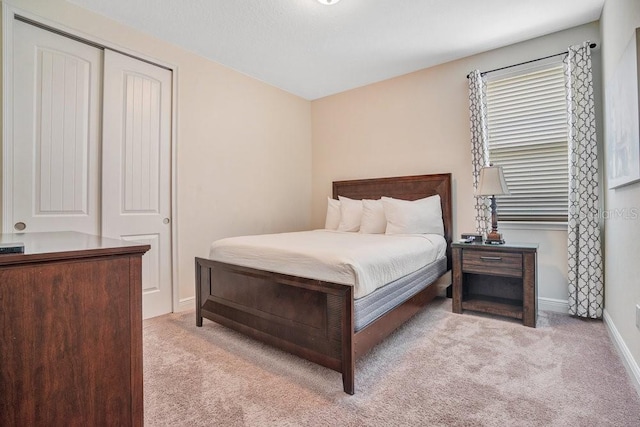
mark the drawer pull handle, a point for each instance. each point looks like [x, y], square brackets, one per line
[491, 258]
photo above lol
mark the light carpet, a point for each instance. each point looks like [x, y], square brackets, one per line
[439, 369]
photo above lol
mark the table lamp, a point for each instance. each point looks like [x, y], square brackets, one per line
[492, 184]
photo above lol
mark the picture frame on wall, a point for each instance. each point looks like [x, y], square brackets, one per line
[623, 118]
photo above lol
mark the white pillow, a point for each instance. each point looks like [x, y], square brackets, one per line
[350, 214]
[373, 219]
[333, 214]
[417, 217]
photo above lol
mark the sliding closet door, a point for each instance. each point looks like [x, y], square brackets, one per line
[91, 149]
[55, 180]
[137, 168]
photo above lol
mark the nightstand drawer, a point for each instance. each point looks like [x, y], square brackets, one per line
[492, 262]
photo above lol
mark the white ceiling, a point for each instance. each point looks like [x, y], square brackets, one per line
[313, 50]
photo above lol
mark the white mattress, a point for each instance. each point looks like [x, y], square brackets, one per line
[365, 261]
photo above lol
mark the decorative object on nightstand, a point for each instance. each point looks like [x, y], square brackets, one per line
[496, 279]
[472, 237]
[492, 184]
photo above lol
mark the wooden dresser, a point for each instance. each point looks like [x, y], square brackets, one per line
[71, 331]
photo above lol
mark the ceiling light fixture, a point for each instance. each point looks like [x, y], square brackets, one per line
[328, 2]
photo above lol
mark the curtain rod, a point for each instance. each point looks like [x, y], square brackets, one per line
[592, 46]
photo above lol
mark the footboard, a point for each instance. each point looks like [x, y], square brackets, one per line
[310, 318]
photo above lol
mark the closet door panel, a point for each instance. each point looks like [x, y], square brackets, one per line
[56, 132]
[137, 169]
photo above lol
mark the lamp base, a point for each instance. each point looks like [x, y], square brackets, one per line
[494, 238]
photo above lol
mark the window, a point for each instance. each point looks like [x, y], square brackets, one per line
[527, 136]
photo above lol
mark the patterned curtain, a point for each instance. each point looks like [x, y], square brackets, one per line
[586, 285]
[479, 151]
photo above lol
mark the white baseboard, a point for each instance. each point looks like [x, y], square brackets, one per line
[552, 304]
[627, 359]
[186, 304]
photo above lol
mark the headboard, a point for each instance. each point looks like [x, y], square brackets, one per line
[406, 188]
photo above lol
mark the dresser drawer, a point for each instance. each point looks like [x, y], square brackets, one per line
[492, 262]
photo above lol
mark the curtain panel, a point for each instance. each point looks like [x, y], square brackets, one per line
[479, 150]
[585, 275]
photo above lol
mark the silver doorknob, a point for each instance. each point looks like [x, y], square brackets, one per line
[166, 221]
[20, 226]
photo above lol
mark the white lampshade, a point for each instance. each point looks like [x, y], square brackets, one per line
[492, 182]
[328, 2]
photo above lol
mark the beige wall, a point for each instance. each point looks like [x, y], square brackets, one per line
[243, 147]
[619, 20]
[419, 123]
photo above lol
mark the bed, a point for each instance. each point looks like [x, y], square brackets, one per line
[316, 319]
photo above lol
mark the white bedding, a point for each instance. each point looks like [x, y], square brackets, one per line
[365, 261]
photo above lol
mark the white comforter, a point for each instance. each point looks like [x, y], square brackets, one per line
[365, 261]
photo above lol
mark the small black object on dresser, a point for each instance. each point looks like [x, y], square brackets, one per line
[474, 237]
[11, 248]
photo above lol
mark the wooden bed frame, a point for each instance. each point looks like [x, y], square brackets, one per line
[311, 318]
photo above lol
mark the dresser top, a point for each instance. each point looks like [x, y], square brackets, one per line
[63, 245]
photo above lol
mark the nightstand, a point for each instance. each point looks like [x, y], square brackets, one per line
[496, 279]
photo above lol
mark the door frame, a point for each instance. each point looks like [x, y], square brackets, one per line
[6, 214]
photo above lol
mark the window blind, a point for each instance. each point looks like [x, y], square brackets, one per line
[527, 136]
